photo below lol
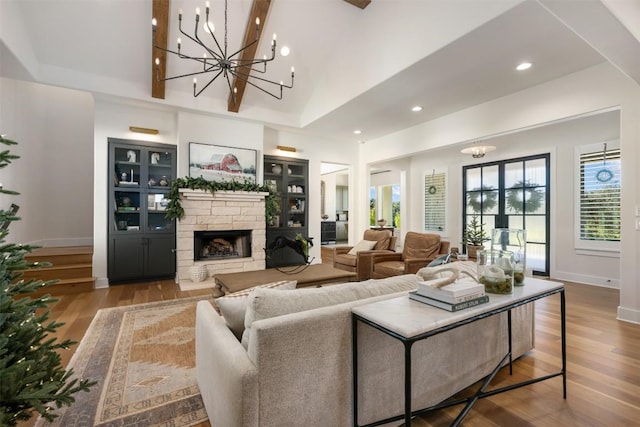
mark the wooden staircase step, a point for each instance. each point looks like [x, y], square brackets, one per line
[72, 271]
[62, 255]
[70, 265]
[68, 286]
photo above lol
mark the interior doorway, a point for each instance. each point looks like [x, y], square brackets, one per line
[334, 203]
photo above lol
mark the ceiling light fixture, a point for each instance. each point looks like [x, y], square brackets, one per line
[524, 66]
[478, 151]
[416, 108]
[357, 132]
[218, 61]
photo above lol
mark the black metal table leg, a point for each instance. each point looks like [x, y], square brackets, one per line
[563, 328]
[407, 383]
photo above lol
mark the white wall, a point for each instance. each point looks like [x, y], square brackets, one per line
[53, 128]
[568, 97]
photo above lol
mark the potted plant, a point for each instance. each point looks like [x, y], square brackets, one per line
[474, 236]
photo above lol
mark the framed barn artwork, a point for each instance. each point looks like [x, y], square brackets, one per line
[222, 163]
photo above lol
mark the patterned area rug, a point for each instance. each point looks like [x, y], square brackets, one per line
[143, 357]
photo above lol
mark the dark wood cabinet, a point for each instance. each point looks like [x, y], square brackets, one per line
[141, 240]
[290, 179]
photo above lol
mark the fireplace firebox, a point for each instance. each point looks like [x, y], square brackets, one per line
[221, 244]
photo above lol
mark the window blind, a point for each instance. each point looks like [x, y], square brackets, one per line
[600, 195]
[434, 202]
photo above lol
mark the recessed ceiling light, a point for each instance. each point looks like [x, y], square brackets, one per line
[416, 108]
[357, 131]
[284, 51]
[524, 66]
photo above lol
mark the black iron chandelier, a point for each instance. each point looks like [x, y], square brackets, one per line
[218, 61]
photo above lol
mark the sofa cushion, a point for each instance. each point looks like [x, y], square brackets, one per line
[362, 245]
[420, 245]
[389, 268]
[267, 303]
[346, 259]
[234, 306]
[382, 237]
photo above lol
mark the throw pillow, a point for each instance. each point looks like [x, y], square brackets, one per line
[363, 245]
[233, 306]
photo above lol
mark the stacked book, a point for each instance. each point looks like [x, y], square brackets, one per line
[461, 294]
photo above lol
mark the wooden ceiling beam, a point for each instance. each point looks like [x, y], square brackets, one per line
[161, 13]
[359, 3]
[259, 9]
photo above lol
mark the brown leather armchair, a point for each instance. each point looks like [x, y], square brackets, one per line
[360, 262]
[419, 250]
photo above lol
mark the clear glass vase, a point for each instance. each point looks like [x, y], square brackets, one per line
[495, 271]
[514, 240]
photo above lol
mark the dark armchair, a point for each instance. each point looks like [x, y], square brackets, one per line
[418, 251]
[349, 258]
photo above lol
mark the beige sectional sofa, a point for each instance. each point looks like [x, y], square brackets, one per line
[296, 368]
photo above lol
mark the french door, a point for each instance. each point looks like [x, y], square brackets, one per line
[512, 194]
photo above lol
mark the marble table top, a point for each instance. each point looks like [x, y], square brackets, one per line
[409, 318]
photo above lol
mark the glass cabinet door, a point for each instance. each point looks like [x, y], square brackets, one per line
[160, 169]
[127, 167]
[127, 211]
[156, 205]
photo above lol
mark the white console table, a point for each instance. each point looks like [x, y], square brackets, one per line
[409, 321]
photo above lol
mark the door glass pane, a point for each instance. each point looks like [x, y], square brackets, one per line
[515, 221]
[536, 172]
[536, 229]
[536, 256]
[513, 173]
[490, 177]
[474, 180]
[490, 202]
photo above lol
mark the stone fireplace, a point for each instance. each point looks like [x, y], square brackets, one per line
[224, 232]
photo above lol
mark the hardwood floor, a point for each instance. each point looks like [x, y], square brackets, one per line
[603, 359]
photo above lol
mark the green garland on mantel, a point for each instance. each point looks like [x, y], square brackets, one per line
[174, 208]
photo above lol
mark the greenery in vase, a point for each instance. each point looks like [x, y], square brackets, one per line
[474, 233]
[32, 379]
[174, 208]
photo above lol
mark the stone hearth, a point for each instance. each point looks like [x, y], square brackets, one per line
[222, 210]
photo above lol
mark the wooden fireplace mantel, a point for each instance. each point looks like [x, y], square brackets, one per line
[246, 196]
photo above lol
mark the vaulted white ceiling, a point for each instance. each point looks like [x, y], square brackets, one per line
[355, 68]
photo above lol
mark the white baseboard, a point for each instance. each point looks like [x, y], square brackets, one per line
[101, 283]
[586, 279]
[61, 242]
[628, 315]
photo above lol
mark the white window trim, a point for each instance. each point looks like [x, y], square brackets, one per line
[586, 247]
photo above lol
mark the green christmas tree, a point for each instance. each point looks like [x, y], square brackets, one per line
[32, 379]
